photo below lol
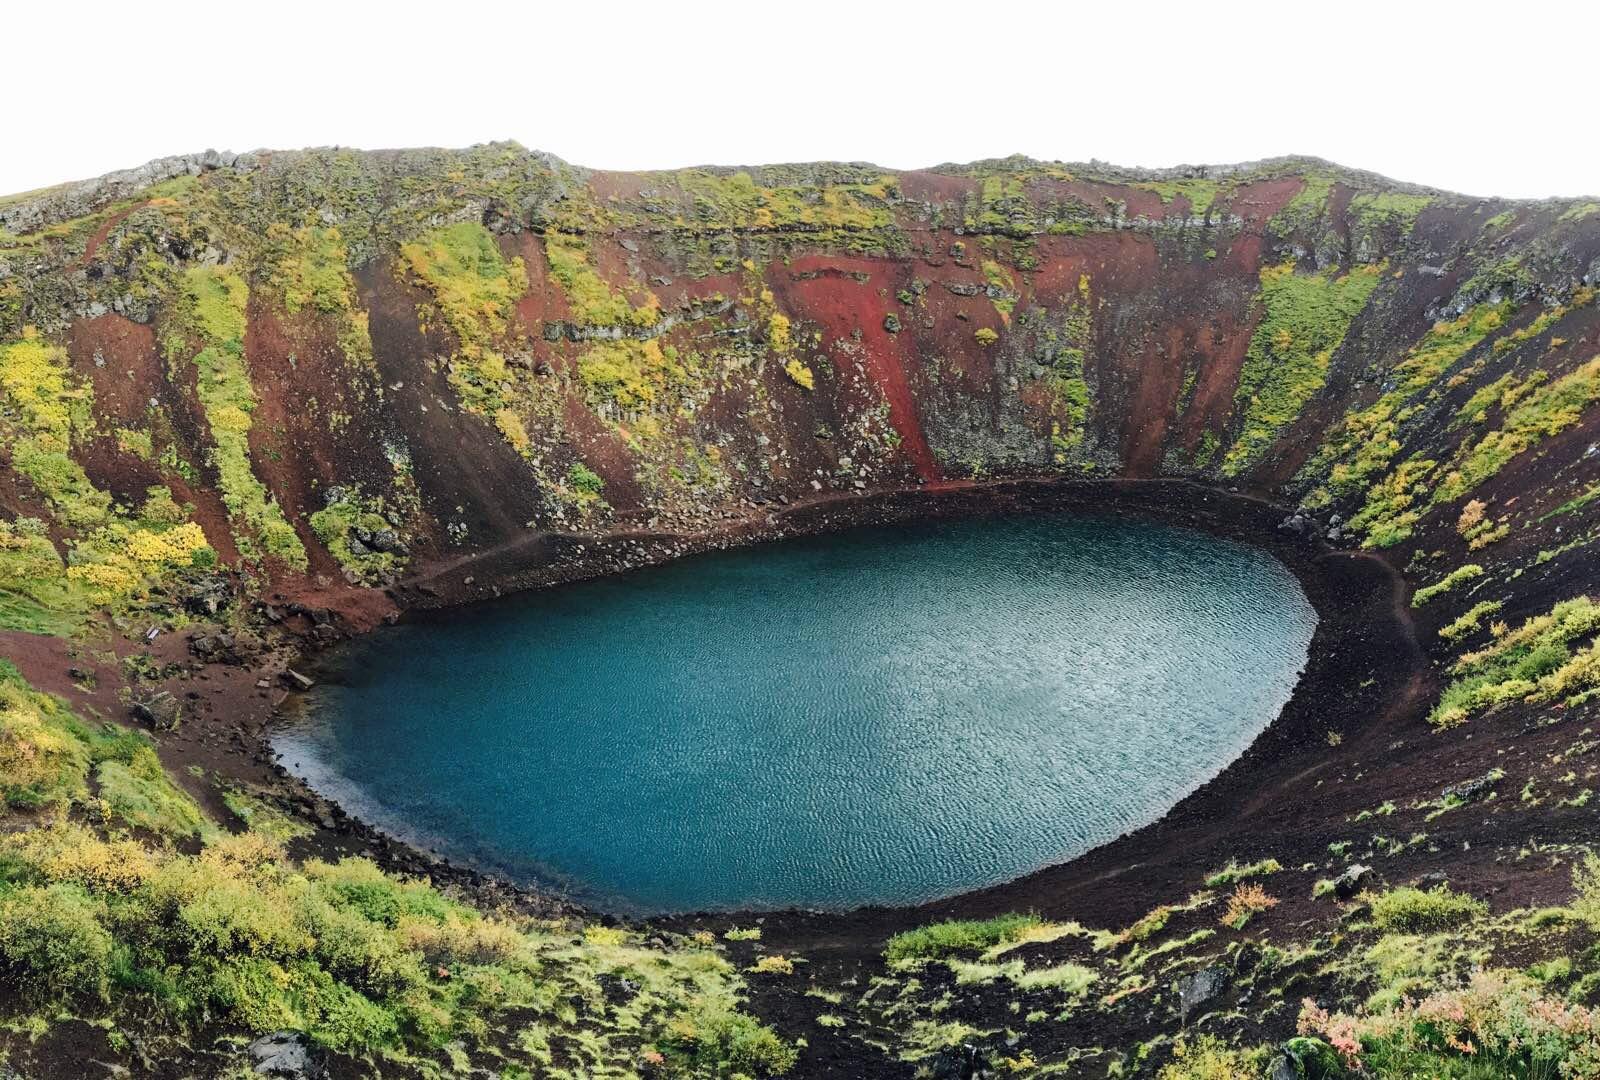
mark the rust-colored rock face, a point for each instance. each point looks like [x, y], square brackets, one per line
[487, 345]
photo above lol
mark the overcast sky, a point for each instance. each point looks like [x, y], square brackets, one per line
[1501, 101]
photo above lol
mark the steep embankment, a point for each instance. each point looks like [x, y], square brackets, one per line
[276, 398]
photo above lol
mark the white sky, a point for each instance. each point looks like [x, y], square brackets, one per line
[1501, 100]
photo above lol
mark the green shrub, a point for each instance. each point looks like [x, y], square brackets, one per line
[1536, 662]
[139, 792]
[958, 935]
[713, 1040]
[1469, 572]
[52, 946]
[1410, 910]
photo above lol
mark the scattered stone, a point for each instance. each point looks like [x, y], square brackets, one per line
[1198, 989]
[215, 648]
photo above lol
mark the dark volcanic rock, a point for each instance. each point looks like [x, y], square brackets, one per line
[1199, 989]
[160, 710]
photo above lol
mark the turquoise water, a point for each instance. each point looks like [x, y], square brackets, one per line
[883, 716]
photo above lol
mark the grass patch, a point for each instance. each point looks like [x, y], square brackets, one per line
[957, 936]
[1410, 910]
[213, 311]
[475, 290]
[1234, 872]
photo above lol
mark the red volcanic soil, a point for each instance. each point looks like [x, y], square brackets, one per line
[821, 288]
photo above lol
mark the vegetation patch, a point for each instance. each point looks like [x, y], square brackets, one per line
[362, 961]
[359, 535]
[958, 936]
[1366, 440]
[1408, 910]
[213, 311]
[1305, 318]
[593, 302]
[1535, 662]
[1460, 575]
[1546, 411]
[475, 291]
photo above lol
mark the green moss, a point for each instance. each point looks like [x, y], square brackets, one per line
[213, 311]
[1304, 320]
[1305, 210]
[310, 267]
[1395, 213]
[722, 202]
[1409, 910]
[1469, 621]
[1394, 504]
[1198, 193]
[475, 291]
[1234, 872]
[1361, 447]
[1003, 287]
[593, 302]
[339, 525]
[50, 410]
[139, 793]
[631, 374]
[35, 593]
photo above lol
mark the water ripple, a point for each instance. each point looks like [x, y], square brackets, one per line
[885, 716]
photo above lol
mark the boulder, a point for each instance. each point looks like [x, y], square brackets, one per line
[207, 595]
[387, 541]
[963, 1062]
[296, 681]
[1355, 878]
[1199, 989]
[160, 710]
[286, 1055]
[1468, 790]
